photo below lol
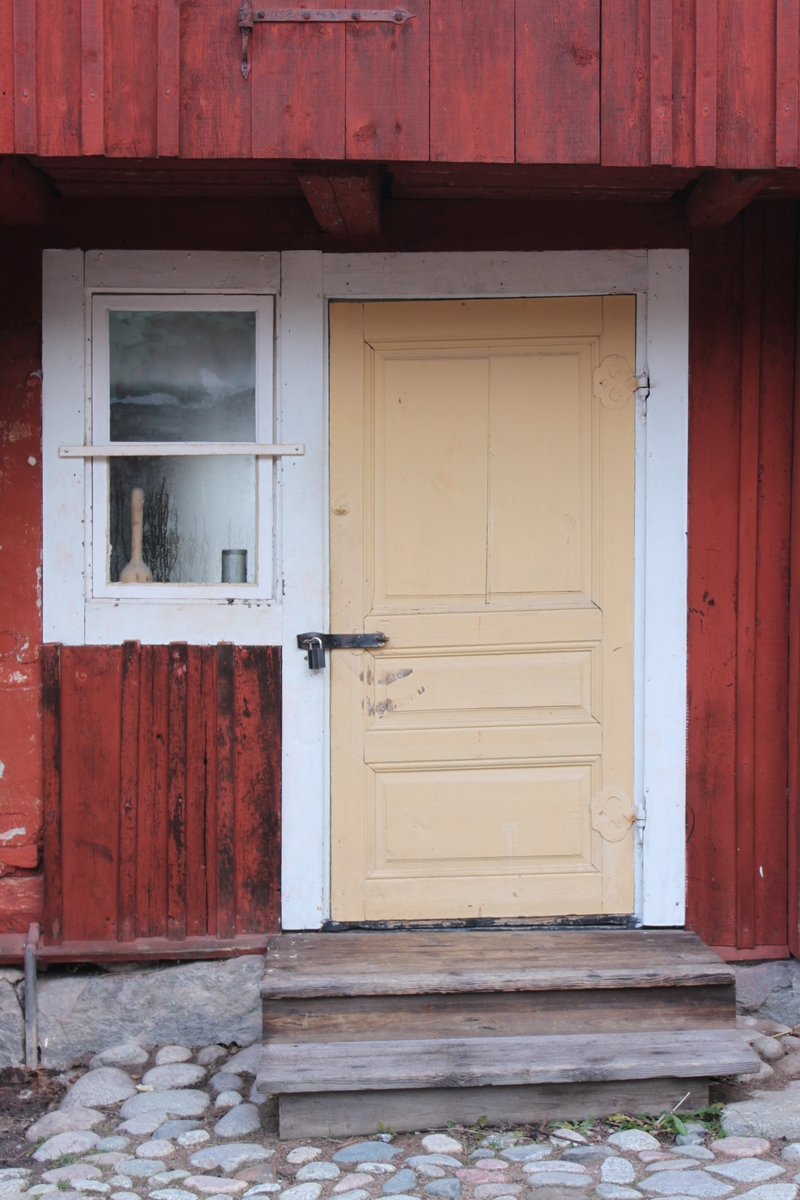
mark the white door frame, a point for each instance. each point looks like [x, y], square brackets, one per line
[660, 279]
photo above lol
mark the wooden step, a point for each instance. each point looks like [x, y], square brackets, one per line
[502, 1061]
[392, 963]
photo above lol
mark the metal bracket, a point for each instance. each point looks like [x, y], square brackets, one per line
[249, 17]
[343, 641]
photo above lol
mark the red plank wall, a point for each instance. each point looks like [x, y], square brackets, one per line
[743, 304]
[20, 618]
[621, 82]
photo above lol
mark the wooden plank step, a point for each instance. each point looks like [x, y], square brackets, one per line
[495, 1014]
[396, 963]
[499, 1061]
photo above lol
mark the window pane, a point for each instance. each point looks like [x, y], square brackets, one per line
[182, 376]
[194, 509]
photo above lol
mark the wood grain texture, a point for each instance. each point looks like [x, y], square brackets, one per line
[92, 78]
[746, 84]
[503, 1061]
[131, 784]
[169, 74]
[131, 71]
[793, 711]
[51, 798]
[482, 1014]
[7, 110]
[787, 79]
[90, 751]
[706, 37]
[661, 81]
[625, 83]
[58, 78]
[215, 116]
[341, 964]
[129, 792]
[558, 81]
[293, 68]
[684, 54]
[343, 1114]
[24, 91]
[387, 110]
[472, 82]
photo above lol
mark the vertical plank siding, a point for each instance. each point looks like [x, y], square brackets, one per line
[162, 795]
[623, 82]
[740, 480]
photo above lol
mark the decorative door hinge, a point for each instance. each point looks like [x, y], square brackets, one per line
[249, 17]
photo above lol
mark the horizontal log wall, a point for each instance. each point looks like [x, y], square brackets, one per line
[619, 82]
[162, 797]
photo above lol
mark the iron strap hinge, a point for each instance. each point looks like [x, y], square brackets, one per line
[248, 17]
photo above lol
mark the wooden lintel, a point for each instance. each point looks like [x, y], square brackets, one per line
[719, 196]
[25, 194]
[344, 204]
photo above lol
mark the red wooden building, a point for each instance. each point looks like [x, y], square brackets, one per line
[441, 323]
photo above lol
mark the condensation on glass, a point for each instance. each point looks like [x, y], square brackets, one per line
[183, 377]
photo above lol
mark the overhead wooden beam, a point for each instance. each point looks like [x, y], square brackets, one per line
[719, 196]
[344, 202]
[25, 194]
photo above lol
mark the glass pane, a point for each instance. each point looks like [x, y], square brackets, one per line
[194, 509]
[182, 376]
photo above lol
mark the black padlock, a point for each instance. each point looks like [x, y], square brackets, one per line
[316, 654]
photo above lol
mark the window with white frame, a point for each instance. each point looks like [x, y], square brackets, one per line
[180, 425]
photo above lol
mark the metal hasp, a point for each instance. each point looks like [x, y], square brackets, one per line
[249, 17]
[317, 643]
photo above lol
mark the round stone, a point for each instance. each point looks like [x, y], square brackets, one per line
[226, 1081]
[262, 1189]
[127, 1054]
[791, 1153]
[446, 1189]
[768, 1048]
[186, 1103]
[76, 1142]
[527, 1153]
[685, 1183]
[317, 1170]
[740, 1147]
[121, 1181]
[113, 1143]
[194, 1137]
[238, 1122]
[629, 1140]
[434, 1160]
[167, 1178]
[230, 1157]
[98, 1088]
[63, 1120]
[140, 1168]
[613, 1191]
[366, 1152]
[158, 1148]
[379, 1168]
[352, 1182]
[71, 1171]
[442, 1143]
[617, 1170]
[174, 1075]
[748, 1170]
[228, 1100]
[303, 1191]
[124, 1196]
[771, 1191]
[90, 1185]
[144, 1124]
[490, 1191]
[210, 1185]
[302, 1154]
[174, 1129]
[169, 1193]
[211, 1054]
[402, 1182]
[558, 1179]
[172, 1054]
[568, 1168]
[246, 1062]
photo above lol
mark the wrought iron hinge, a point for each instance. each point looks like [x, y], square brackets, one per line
[249, 17]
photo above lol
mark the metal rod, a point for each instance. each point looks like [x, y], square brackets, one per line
[181, 450]
[31, 1021]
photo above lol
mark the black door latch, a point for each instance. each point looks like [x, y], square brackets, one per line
[317, 643]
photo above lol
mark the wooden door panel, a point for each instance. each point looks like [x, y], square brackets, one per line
[482, 518]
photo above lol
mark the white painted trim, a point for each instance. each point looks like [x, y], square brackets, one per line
[63, 392]
[664, 758]
[182, 271]
[484, 274]
[302, 408]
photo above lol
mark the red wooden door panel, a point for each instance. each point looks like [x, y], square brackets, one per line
[162, 799]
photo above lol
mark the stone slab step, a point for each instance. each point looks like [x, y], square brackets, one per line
[502, 1061]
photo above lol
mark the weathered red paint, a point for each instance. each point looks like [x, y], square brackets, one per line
[145, 748]
[689, 82]
[20, 616]
[742, 379]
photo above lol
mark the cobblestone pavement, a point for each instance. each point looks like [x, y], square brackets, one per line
[188, 1124]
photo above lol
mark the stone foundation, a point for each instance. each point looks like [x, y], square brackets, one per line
[769, 989]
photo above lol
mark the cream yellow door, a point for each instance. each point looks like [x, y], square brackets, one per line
[482, 466]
